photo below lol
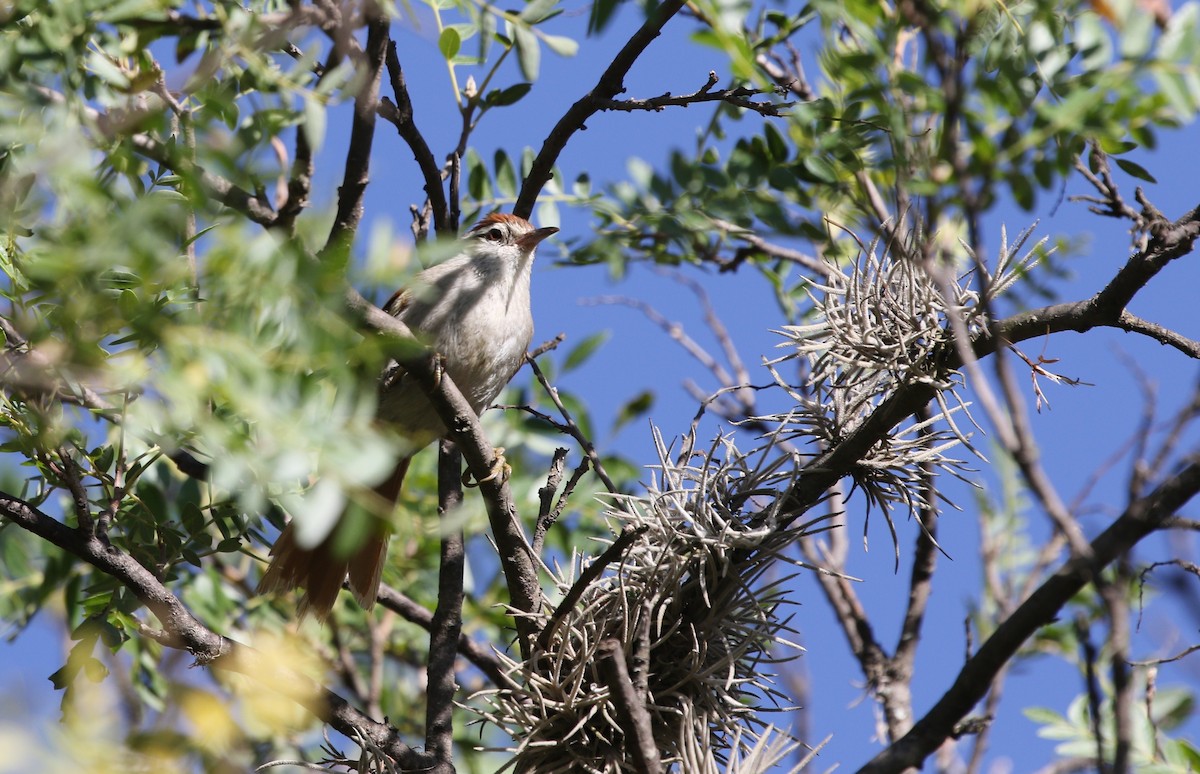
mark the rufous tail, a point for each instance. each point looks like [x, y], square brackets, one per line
[320, 570]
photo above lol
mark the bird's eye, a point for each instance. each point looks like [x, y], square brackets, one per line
[494, 235]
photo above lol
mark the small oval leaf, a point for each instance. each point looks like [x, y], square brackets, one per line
[561, 45]
[529, 53]
[580, 353]
[449, 42]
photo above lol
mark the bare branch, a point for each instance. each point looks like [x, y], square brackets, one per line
[1091, 682]
[571, 427]
[811, 263]
[920, 582]
[611, 83]
[409, 610]
[1134, 324]
[362, 135]
[401, 114]
[546, 499]
[739, 97]
[1169, 659]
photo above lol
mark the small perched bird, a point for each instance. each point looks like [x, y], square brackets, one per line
[474, 311]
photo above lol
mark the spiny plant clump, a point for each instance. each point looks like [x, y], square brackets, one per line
[697, 620]
[885, 323]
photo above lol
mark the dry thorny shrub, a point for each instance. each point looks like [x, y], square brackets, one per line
[691, 598]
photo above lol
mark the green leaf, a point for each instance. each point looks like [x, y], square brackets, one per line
[537, 10]
[1114, 147]
[192, 518]
[529, 53]
[561, 45]
[479, 187]
[449, 42]
[507, 96]
[601, 15]
[108, 72]
[60, 678]
[94, 669]
[583, 186]
[186, 44]
[580, 353]
[314, 122]
[547, 213]
[1135, 170]
[1137, 35]
[1022, 191]
[506, 175]
[819, 168]
[634, 408]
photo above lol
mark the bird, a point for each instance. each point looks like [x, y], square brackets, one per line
[474, 311]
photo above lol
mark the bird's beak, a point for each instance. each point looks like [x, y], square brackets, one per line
[533, 238]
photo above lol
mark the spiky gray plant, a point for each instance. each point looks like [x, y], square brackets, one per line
[697, 621]
[880, 326]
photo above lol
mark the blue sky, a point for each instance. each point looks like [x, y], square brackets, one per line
[1083, 427]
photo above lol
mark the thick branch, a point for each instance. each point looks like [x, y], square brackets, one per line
[611, 83]
[1140, 519]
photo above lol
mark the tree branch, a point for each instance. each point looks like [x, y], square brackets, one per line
[739, 97]
[632, 716]
[483, 659]
[362, 134]
[1139, 519]
[571, 428]
[401, 115]
[611, 83]
[446, 626]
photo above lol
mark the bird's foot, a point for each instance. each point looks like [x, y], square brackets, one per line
[500, 470]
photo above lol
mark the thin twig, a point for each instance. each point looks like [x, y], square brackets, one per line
[739, 96]
[572, 428]
[401, 115]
